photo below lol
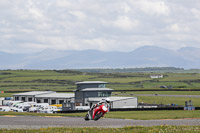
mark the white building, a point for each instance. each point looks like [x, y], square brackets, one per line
[50, 97]
[55, 98]
[156, 76]
[117, 102]
[29, 96]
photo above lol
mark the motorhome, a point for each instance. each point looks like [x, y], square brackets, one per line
[12, 103]
[21, 107]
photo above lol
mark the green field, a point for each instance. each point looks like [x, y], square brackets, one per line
[64, 80]
[136, 129]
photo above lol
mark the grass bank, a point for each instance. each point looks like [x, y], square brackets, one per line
[168, 100]
[134, 129]
[153, 115]
[6, 94]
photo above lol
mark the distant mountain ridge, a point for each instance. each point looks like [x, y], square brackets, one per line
[146, 56]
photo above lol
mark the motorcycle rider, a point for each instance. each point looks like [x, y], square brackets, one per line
[105, 101]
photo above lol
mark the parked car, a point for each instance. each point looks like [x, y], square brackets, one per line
[4, 109]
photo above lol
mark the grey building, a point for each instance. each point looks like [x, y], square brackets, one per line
[55, 98]
[50, 97]
[29, 96]
[88, 89]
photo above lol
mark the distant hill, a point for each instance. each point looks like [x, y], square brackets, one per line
[146, 56]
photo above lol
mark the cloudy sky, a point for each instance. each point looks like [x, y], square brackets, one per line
[107, 25]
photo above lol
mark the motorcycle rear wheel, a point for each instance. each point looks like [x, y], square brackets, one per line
[98, 116]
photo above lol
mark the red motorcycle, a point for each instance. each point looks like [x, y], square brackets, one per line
[97, 112]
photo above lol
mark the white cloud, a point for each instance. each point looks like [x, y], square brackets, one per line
[178, 28]
[34, 25]
[125, 23]
[152, 7]
[80, 15]
[196, 13]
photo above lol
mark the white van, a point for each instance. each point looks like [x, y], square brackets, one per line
[21, 107]
[48, 109]
[36, 107]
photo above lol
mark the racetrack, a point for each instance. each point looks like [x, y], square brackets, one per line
[43, 122]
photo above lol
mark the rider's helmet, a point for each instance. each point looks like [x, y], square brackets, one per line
[107, 100]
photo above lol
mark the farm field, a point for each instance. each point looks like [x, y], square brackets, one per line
[64, 80]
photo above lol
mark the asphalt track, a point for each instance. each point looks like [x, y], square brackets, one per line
[44, 122]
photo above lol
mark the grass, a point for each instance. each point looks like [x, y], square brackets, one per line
[41, 114]
[161, 92]
[6, 94]
[168, 100]
[137, 115]
[153, 115]
[128, 129]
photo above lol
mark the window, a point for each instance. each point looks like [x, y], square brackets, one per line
[30, 99]
[38, 101]
[61, 101]
[102, 85]
[53, 101]
[104, 94]
[46, 101]
[16, 98]
[23, 99]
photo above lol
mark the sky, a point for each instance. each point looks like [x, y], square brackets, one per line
[28, 26]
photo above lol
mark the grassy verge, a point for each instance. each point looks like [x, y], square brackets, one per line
[152, 115]
[6, 94]
[41, 114]
[138, 115]
[136, 129]
[162, 92]
[168, 100]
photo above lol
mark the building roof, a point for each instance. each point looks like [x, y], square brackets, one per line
[97, 99]
[32, 93]
[56, 95]
[97, 89]
[91, 82]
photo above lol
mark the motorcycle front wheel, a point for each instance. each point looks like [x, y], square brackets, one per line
[98, 116]
[87, 117]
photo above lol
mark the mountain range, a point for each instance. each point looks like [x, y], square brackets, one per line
[146, 56]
